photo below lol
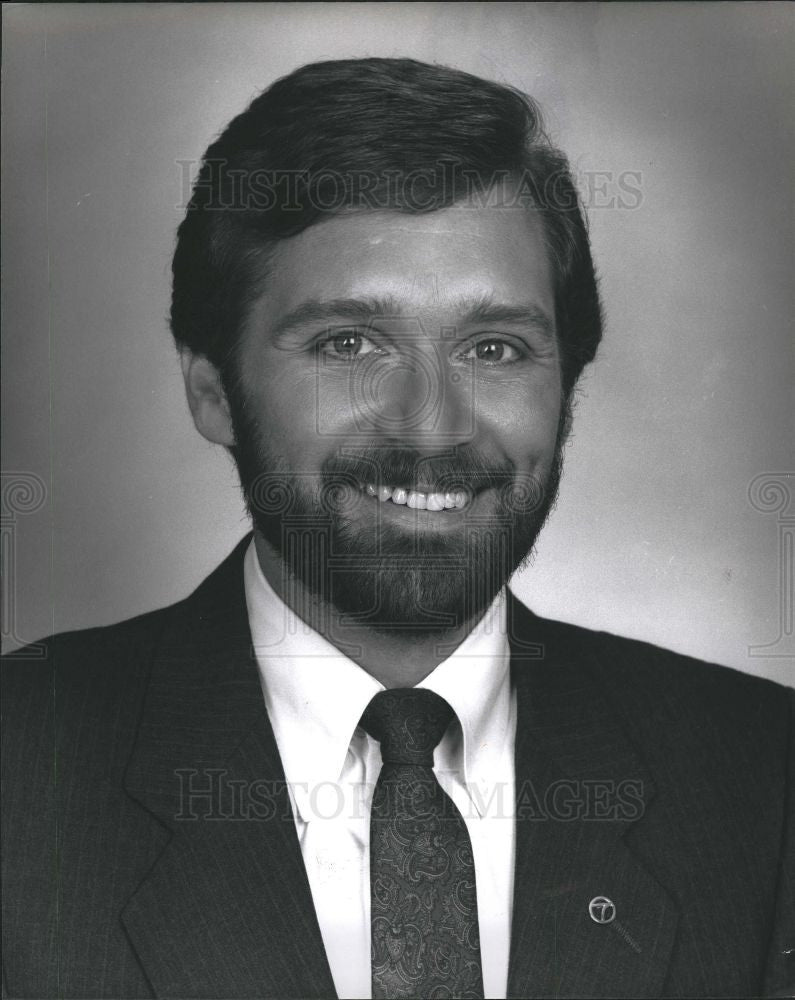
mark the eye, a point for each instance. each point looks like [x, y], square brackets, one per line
[493, 351]
[346, 345]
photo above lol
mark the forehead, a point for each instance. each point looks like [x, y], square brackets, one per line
[427, 263]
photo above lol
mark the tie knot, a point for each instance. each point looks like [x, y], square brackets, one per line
[408, 723]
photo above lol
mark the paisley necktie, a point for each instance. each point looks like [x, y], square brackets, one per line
[424, 918]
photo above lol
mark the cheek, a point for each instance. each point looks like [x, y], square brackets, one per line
[286, 414]
[523, 419]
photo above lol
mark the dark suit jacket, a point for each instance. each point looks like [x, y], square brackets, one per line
[653, 779]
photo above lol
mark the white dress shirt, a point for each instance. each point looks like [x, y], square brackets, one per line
[315, 696]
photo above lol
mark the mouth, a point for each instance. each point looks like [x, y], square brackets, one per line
[418, 499]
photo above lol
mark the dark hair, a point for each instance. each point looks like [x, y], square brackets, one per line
[366, 134]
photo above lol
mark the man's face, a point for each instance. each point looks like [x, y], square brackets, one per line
[395, 357]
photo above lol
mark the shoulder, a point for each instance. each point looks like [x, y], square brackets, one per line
[78, 680]
[714, 746]
[669, 699]
[82, 650]
[84, 678]
[635, 665]
[114, 655]
[673, 680]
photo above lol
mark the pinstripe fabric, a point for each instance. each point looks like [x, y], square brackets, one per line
[74, 844]
[111, 891]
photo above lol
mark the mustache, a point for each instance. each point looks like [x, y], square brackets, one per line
[463, 468]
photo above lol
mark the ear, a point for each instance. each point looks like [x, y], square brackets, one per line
[207, 399]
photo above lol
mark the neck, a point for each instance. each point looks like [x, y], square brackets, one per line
[395, 659]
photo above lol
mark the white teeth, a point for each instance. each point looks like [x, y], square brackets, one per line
[417, 500]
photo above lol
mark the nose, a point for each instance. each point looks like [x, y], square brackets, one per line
[421, 400]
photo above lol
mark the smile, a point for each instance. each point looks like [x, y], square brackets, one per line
[417, 499]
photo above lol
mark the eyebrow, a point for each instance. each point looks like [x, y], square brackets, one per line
[485, 310]
[472, 312]
[312, 312]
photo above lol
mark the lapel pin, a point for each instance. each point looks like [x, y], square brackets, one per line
[602, 910]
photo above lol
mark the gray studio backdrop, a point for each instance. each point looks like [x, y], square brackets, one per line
[678, 119]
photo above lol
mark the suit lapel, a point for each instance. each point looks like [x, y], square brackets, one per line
[580, 790]
[226, 909]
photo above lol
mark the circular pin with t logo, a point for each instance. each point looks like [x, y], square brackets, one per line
[602, 910]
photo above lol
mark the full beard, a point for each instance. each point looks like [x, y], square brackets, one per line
[409, 581]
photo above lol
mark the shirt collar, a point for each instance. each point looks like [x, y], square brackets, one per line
[475, 681]
[315, 695]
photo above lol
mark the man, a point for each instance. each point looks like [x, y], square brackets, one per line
[352, 762]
